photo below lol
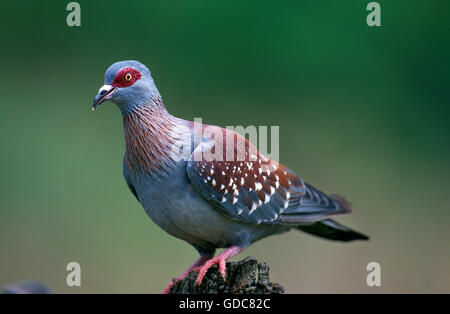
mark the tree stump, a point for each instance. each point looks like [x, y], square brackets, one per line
[247, 276]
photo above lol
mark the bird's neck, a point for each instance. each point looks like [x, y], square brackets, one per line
[150, 136]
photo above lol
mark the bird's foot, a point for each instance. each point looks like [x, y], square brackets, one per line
[220, 260]
[198, 263]
[204, 269]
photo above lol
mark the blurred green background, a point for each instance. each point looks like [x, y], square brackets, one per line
[363, 112]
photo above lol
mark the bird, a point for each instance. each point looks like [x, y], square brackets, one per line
[208, 185]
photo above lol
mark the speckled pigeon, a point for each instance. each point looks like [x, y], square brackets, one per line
[208, 185]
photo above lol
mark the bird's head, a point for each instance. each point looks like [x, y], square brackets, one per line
[128, 84]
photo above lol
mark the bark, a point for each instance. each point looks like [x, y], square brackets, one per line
[247, 276]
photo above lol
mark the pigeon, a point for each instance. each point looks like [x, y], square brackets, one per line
[208, 185]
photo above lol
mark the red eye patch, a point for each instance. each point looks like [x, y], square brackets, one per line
[126, 77]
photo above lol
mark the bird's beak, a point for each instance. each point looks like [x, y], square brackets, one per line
[104, 93]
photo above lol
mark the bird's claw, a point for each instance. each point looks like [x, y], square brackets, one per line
[202, 270]
[170, 285]
[167, 289]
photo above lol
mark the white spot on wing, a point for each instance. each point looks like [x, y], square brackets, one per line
[272, 190]
[253, 208]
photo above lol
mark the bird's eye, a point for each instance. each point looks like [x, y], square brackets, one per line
[126, 77]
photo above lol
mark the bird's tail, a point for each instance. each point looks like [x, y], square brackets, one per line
[331, 230]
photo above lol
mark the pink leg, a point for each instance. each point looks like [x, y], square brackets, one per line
[221, 260]
[199, 262]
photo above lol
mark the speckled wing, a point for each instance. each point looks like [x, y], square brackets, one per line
[255, 189]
